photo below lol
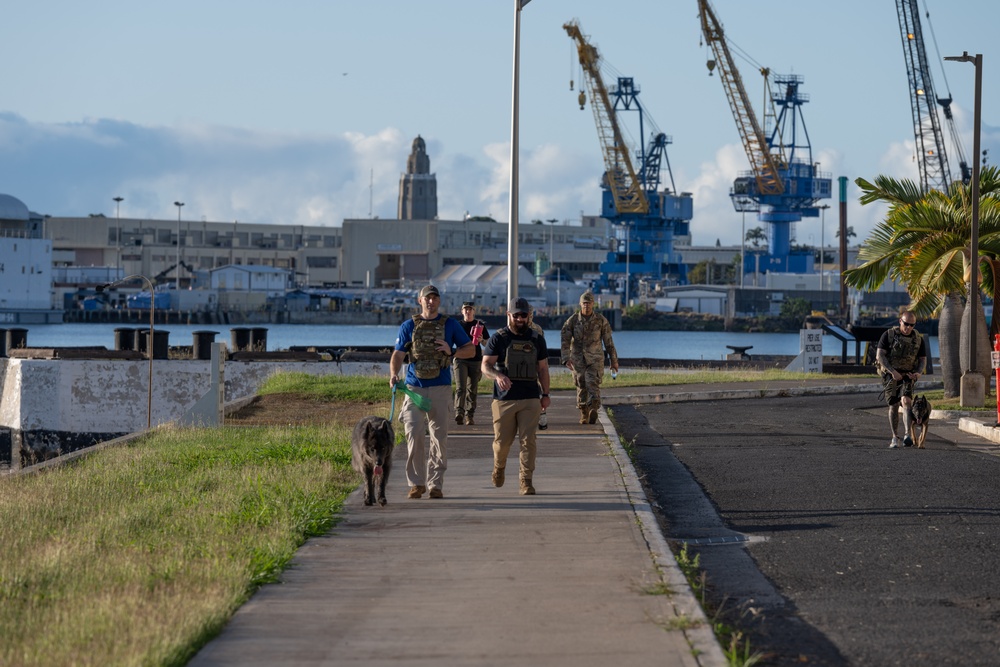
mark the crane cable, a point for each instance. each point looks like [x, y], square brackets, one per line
[937, 51]
[769, 113]
[611, 73]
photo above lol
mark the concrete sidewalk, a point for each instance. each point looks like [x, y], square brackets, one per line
[572, 576]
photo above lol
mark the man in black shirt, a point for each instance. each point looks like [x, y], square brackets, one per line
[517, 360]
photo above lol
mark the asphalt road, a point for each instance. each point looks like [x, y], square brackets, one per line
[826, 545]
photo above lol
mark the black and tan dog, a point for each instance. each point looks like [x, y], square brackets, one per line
[920, 415]
[371, 455]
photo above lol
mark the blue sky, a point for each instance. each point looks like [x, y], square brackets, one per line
[303, 112]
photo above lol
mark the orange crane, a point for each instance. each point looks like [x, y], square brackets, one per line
[784, 184]
[766, 165]
[645, 219]
[625, 186]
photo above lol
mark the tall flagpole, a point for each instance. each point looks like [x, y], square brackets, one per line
[512, 225]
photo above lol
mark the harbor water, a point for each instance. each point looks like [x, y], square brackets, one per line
[696, 345]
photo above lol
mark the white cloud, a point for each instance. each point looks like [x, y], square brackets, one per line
[225, 173]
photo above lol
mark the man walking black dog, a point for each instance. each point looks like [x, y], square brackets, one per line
[900, 358]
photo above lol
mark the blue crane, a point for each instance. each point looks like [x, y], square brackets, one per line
[646, 220]
[784, 184]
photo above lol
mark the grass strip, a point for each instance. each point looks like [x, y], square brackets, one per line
[139, 555]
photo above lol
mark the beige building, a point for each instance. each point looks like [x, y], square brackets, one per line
[363, 252]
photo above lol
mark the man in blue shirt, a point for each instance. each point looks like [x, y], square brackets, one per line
[430, 339]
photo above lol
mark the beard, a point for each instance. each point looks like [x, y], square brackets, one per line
[518, 326]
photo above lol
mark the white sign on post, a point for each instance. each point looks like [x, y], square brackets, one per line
[811, 344]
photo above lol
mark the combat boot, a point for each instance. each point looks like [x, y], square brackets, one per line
[584, 414]
[592, 412]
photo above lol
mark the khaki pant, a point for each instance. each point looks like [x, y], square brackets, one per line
[509, 419]
[425, 466]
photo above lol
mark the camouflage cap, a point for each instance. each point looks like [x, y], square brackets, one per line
[587, 296]
[468, 304]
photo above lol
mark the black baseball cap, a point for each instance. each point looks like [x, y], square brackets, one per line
[519, 305]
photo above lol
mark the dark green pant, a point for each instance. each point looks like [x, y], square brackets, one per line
[467, 373]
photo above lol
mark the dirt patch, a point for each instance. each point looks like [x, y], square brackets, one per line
[301, 410]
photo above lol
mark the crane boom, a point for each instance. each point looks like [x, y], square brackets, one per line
[765, 164]
[932, 158]
[625, 186]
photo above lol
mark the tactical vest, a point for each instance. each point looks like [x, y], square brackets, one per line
[427, 360]
[903, 352]
[522, 358]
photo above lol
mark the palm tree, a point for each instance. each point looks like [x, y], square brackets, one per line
[755, 236]
[850, 233]
[924, 244]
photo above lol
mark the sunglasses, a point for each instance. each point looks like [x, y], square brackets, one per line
[904, 323]
[519, 316]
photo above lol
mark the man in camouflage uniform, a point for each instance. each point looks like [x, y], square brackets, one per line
[582, 336]
[900, 358]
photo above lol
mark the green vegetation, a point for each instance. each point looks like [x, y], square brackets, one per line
[735, 644]
[939, 402]
[140, 554]
[366, 389]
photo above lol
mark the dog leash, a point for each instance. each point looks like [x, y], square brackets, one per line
[392, 406]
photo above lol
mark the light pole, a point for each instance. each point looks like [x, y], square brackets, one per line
[743, 251]
[628, 238]
[978, 394]
[822, 248]
[512, 249]
[149, 343]
[177, 269]
[118, 234]
[552, 263]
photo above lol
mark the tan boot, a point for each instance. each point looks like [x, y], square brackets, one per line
[526, 488]
[498, 476]
[584, 414]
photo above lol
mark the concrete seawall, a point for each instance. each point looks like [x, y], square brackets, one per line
[50, 407]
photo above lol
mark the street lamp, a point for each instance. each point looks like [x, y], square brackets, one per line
[177, 269]
[552, 264]
[149, 344]
[512, 248]
[743, 250]
[118, 235]
[822, 248]
[976, 60]
[628, 238]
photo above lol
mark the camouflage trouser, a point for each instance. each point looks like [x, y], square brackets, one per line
[587, 378]
[895, 390]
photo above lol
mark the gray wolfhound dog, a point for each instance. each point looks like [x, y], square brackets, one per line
[371, 455]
